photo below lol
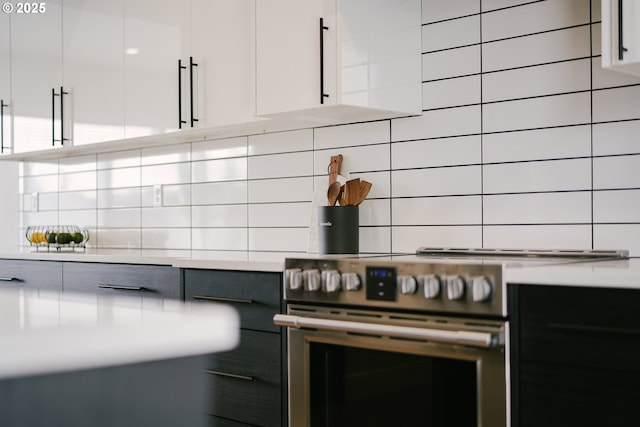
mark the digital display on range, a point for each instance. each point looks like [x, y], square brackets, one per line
[381, 283]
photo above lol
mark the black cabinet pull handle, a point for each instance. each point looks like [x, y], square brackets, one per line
[122, 287]
[2, 105]
[621, 48]
[191, 66]
[322, 29]
[8, 279]
[53, 116]
[222, 299]
[180, 68]
[228, 375]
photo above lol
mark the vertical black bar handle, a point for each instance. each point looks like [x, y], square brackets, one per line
[180, 68]
[621, 48]
[2, 105]
[62, 94]
[191, 66]
[53, 117]
[322, 29]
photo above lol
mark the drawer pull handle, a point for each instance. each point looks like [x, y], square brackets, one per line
[121, 287]
[228, 375]
[9, 279]
[221, 299]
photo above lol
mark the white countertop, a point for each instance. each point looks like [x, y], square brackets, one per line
[49, 332]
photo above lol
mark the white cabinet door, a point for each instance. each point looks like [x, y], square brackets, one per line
[362, 62]
[36, 70]
[5, 84]
[621, 36]
[288, 53]
[157, 35]
[222, 35]
[93, 67]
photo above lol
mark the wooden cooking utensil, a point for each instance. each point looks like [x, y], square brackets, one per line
[333, 193]
[341, 198]
[363, 191]
[351, 192]
[334, 168]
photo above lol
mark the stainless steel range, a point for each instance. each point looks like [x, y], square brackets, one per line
[411, 340]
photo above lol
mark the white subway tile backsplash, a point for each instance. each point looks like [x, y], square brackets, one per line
[118, 178]
[462, 61]
[438, 123]
[437, 211]
[76, 200]
[452, 33]
[219, 216]
[534, 18]
[408, 239]
[616, 104]
[524, 142]
[556, 175]
[561, 45]
[558, 110]
[278, 239]
[280, 190]
[616, 172]
[219, 193]
[119, 218]
[451, 92]
[616, 206]
[539, 144]
[537, 236]
[280, 165]
[447, 181]
[439, 10]
[219, 148]
[351, 135]
[166, 217]
[279, 215]
[537, 208]
[462, 150]
[616, 138]
[221, 239]
[281, 142]
[562, 77]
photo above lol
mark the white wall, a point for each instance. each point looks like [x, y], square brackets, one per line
[525, 142]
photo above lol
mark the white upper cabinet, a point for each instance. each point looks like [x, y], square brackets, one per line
[338, 60]
[5, 84]
[621, 36]
[36, 71]
[222, 46]
[157, 36]
[93, 70]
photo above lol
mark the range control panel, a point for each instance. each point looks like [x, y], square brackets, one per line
[466, 288]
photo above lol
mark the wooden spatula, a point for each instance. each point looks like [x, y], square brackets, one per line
[363, 191]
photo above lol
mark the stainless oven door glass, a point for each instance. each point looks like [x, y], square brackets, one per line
[362, 377]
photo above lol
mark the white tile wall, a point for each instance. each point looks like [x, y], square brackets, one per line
[524, 142]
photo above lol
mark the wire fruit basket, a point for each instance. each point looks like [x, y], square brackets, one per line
[57, 237]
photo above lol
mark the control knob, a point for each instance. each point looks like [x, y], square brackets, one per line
[455, 287]
[293, 278]
[407, 285]
[430, 285]
[331, 280]
[481, 288]
[351, 281]
[311, 280]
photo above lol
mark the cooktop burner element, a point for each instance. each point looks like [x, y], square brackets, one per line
[525, 253]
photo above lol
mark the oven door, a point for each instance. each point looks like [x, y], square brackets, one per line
[358, 367]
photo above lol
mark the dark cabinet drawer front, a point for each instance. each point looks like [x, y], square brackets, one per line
[256, 295]
[135, 280]
[246, 382]
[588, 327]
[37, 274]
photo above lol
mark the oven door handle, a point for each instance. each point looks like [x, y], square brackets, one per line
[470, 338]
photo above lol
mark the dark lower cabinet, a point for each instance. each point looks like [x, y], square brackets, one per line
[248, 384]
[31, 274]
[575, 356]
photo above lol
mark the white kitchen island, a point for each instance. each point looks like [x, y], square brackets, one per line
[71, 359]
